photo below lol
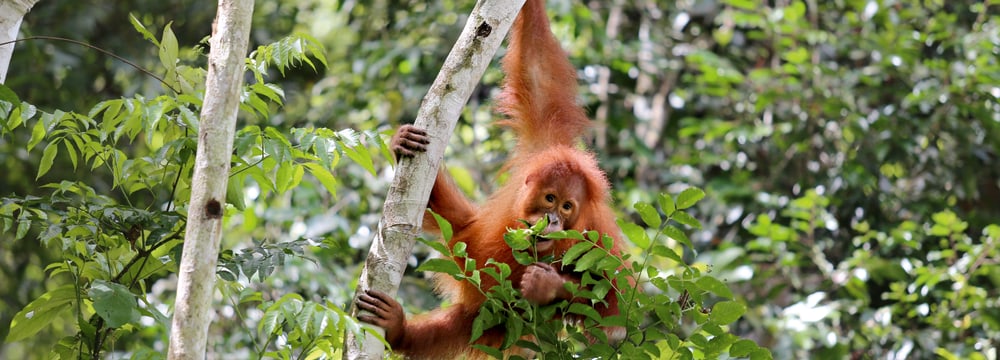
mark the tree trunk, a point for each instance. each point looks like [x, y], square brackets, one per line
[196, 282]
[11, 13]
[406, 201]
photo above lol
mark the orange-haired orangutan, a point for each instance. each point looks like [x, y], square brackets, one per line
[549, 177]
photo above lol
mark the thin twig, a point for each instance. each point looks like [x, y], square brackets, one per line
[105, 52]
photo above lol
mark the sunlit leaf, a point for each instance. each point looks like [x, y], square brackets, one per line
[689, 197]
[324, 176]
[142, 30]
[168, 48]
[648, 214]
[714, 286]
[686, 219]
[446, 266]
[48, 157]
[575, 251]
[636, 234]
[726, 312]
[667, 204]
[41, 312]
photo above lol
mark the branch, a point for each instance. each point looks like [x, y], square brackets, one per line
[105, 52]
[406, 201]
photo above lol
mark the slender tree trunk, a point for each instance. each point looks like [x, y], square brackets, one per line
[11, 13]
[407, 198]
[196, 283]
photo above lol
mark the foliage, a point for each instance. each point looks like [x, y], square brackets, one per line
[826, 135]
[683, 313]
[917, 290]
[823, 124]
[110, 251]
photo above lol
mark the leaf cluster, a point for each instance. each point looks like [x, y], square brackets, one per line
[679, 314]
[112, 242]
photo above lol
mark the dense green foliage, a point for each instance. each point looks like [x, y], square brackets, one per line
[684, 314]
[847, 150]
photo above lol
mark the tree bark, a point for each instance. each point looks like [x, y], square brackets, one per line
[11, 13]
[196, 282]
[406, 201]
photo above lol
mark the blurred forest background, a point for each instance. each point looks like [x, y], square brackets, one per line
[849, 150]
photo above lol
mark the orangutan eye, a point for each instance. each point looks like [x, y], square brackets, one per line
[567, 206]
[550, 198]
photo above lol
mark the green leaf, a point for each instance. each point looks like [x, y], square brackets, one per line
[270, 91]
[686, 219]
[588, 260]
[271, 321]
[23, 225]
[576, 251]
[298, 171]
[945, 354]
[761, 354]
[485, 320]
[493, 352]
[37, 134]
[674, 233]
[723, 35]
[797, 55]
[992, 231]
[234, 192]
[945, 218]
[443, 225]
[636, 234]
[602, 287]
[667, 204]
[524, 257]
[742, 4]
[714, 286]
[283, 177]
[142, 29]
[660, 250]
[585, 310]
[648, 214]
[514, 329]
[563, 234]
[726, 312]
[460, 249]
[689, 197]
[794, 11]
[10, 110]
[518, 239]
[302, 318]
[114, 303]
[168, 48]
[540, 225]
[324, 176]
[257, 105]
[71, 151]
[361, 156]
[8, 95]
[437, 246]
[48, 156]
[445, 266]
[718, 343]
[742, 348]
[40, 313]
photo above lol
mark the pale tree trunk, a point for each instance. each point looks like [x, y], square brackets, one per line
[11, 13]
[196, 282]
[406, 201]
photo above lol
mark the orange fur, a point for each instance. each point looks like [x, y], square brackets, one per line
[539, 98]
